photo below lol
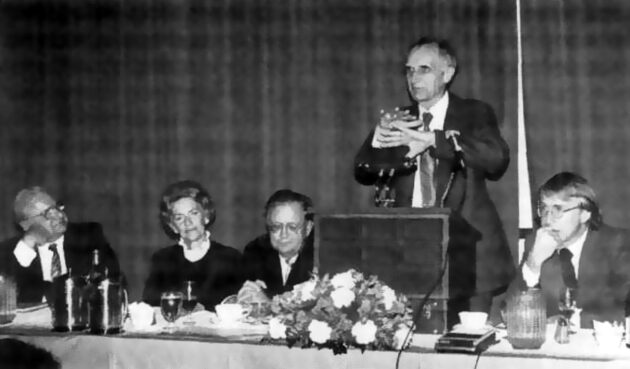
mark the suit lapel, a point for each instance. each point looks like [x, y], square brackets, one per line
[588, 259]
[296, 271]
[444, 168]
[275, 270]
[36, 268]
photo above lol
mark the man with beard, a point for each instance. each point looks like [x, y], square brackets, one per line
[573, 248]
[49, 247]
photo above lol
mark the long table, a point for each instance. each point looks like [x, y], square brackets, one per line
[169, 351]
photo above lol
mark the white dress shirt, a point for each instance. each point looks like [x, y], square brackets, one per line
[197, 253]
[285, 267]
[438, 111]
[532, 279]
[25, 256]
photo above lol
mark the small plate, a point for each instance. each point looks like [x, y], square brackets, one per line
[463, 329]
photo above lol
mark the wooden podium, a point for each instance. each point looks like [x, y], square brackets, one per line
[411, 250]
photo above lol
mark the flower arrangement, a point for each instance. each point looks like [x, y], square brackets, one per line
[345, 310]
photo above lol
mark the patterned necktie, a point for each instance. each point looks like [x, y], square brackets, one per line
[427, 167]
[55, 266]
[568, 271]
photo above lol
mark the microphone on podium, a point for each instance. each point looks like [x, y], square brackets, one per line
[451, 135]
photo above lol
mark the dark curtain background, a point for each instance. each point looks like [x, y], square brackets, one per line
[107, 102]
[577, 93]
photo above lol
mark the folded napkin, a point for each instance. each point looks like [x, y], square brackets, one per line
[38, 316]
[608, 335]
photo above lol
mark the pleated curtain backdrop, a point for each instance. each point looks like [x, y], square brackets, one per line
[107, 102]
[576, 67]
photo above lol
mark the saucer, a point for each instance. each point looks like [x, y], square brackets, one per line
[459, 328]
[214, 320]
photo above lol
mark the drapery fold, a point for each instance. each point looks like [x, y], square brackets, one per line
[576, 68]
[107, 102]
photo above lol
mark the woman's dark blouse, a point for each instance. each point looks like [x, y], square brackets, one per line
[217, 274]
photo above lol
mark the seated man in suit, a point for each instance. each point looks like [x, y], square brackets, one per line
[573, 248]
[50, 247]
[282, 257]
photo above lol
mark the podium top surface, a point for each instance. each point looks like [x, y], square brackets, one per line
[402, 212]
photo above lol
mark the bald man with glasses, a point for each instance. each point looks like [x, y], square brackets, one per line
[50, 247]
[574, 249]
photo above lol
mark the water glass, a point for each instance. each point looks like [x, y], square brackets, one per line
[169, 305]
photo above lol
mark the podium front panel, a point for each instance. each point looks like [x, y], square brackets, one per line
[405, 248]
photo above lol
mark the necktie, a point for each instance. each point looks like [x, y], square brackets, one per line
[568, 271]
[427, 167]
[55, 265]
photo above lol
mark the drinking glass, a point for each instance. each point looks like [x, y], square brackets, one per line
[189, 300]
[169, 305]
[567, 305]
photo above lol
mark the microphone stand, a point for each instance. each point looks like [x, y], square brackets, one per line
[382, 192]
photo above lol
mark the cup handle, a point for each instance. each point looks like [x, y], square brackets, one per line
[247, 309]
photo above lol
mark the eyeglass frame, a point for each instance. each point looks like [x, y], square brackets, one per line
[59, 207]
[556, 210]
[294, 228]
[410, 71]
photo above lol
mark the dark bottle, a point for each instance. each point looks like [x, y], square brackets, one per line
[96, 275]
[97, 271]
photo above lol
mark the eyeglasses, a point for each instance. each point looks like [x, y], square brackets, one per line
[50, 212]
[290, 227]
[421, 70]
[555, 211]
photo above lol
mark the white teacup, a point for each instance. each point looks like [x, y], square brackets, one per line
[141, 314]
[473, 319]
[230, 313]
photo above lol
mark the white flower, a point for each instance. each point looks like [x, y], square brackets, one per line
[319, 331]
[400, 335]
[342, 297]
[389, 296]
[305, 290]
[277, 329]
[364, 333]
[343, 280]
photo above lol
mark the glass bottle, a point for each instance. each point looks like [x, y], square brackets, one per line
[96, 309]
[8, 299]
[97, 271]
[562, 331]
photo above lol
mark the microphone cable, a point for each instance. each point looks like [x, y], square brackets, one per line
[416, 316]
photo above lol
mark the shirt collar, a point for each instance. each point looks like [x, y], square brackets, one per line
[58, 242]
[439, 108]
[576, 246]
[290, 261]
[204, 243]
[438, 111]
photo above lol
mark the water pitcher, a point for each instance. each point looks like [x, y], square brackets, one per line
[526, 319]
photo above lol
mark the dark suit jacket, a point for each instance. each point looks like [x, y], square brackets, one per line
[486, 156]
[217, 274]
[80, 240]
[603, 276]
[261, 261]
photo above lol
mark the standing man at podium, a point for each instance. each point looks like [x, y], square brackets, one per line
[455, 144]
